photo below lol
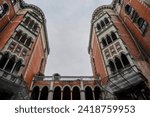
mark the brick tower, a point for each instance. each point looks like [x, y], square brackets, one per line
[23, 47]
[119, 48]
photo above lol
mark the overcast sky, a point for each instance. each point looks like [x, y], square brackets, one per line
[68, 24]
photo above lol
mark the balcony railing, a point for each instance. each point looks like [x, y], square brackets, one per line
[14, 84]
[128, 77]
[4, 75]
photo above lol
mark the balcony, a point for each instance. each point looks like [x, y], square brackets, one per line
[12, 84]
[125, 79]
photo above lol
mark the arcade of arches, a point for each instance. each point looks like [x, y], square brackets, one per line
[66, 93]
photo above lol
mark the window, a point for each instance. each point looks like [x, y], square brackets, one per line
[118, 63]
[108, 39]
[6, 7]
[28, 42]
[106, 21]
[17, 67]
[102, 24]
[134, 16]
[98, 27]
[3, 9]
[124, 59]
[142, 24]
[112, 67]
[27, 20]
[128, 9]
[35, 27]
[23, 38]
[18, 35]
[104, 42]
[31, 24]
[113, 36]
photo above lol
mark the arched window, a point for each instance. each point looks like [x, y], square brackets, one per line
[28, 42]
[6, 7]
[10, 64]
[76, 93]
[113, 36]
[98, 26]
[118, 63]
[97, 93]
[35, 27]
[125, 60]
[35, 93]
[112, 66]
[3, 9]
[18, 35]
[57, 93]
[140, 22]
[102, 24]
[31, 24]
[128, 9]
[44, 93]
[66, 93]
[23, 38]
[17, 67]
[4, 60]
[106, 21]
[108, 39]
[104, 42]
[88, 93]
[27, 20]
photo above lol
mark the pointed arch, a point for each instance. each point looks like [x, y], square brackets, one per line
[66, 93]
[76, 93]
[113, 36]
[57, 93]
[98, 26]
[108, 39]
[124, 60]
[88, 93]
[102, 24]
[106, 21]
[4, 60]
[97, 93]
[112, 67]
[35, 93]
[118, 63]
[104, 42]
[44, 93]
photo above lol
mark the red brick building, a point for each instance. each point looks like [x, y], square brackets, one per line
[23, 47]
[119, 48]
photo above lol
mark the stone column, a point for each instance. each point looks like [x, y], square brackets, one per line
[82, 91]
[50, 93]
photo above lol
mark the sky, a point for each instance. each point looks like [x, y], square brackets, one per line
[68, 25]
